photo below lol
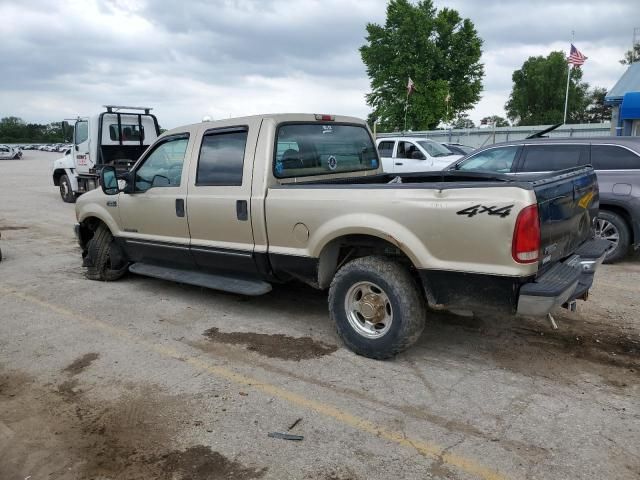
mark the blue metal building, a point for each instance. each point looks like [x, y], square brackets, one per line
[624, 98]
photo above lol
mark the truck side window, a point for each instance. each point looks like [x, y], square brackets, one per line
[221, 158]
[386, 149]
[405, 150]
[82, 132]
[612, 157]
[549, 158]
[163, 167]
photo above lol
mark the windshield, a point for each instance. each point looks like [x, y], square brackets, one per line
[305, 149]
[435, 149]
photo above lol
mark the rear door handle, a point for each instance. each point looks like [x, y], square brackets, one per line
[242, 210]
[180, 207]
[399, 163]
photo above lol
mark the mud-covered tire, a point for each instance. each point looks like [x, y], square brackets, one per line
[66, 191]
[405, 298]
[101, 250]
[614, 224]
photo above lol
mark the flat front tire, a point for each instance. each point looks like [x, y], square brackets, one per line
[104, 259]
[377, 306]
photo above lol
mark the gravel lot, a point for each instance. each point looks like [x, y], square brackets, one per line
[143, 379]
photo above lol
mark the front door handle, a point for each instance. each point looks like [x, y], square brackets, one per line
[180, 207]
[399, 163]
[242, 210]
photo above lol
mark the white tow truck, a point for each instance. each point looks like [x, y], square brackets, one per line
[116, 136]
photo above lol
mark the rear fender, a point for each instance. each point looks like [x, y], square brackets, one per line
[373, 225]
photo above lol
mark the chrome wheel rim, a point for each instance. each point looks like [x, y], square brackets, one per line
[64, 188]
[368, 309]
[607, 231]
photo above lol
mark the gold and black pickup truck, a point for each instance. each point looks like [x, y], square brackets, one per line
[240, 204]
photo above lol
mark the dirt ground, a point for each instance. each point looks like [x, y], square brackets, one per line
[142, 379]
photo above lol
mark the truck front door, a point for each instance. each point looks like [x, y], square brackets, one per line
[153, 213]
[81, 152]
[219, 200]
[409, 159]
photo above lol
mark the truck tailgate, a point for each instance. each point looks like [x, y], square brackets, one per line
[568, 203]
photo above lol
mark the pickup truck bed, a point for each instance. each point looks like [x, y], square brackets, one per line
[243, 203]
[565, 224]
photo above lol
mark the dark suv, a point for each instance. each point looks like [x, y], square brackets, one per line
[615, 159]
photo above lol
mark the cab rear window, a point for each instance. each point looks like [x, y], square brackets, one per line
[307, 149]
[129, 132]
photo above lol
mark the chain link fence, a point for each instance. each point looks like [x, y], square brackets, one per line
[478, 137]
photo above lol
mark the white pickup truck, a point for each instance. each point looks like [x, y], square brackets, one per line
[117, 136]
[401, 155]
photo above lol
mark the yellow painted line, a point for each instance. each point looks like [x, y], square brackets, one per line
[426, 448]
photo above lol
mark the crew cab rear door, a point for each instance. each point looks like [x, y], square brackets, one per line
[218, 204]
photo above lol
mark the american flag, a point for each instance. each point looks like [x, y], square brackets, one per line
[411, 87]
[576, 58]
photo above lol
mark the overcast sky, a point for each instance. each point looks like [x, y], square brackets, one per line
[228, 58]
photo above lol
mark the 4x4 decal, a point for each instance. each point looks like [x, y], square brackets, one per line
[493, 210]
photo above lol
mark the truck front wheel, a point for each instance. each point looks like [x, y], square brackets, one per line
[104, 260]
[66, 191]
[377, 306]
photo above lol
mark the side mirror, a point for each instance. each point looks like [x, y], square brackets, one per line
[109, 181]
[417, 155]
[160, 181]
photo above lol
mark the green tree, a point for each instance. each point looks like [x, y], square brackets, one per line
[15, 130]
[538, 93]
[632, 55]
[497, 119]
[437, 49]
[463, 121]
[597, 111]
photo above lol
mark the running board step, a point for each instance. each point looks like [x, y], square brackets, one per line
[217, 282]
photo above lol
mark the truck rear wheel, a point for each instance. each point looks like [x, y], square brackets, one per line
[377, 306]
[104, 259]
[66, 191]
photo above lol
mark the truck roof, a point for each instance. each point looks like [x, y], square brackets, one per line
[276, 117]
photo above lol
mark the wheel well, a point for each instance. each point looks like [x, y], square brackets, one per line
[624, 214]
[88, 228]
[342, 249]
[56, 176]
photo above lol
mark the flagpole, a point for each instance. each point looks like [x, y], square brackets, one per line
[566, 96]
[406, 107]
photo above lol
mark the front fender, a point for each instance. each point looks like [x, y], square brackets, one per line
[94, 209]
[64, 163]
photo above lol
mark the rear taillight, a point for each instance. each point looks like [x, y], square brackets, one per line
[526, 236]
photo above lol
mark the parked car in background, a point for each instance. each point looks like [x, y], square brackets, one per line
[9, 153]
[616, 161]
[413, 154]
[459, 148]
